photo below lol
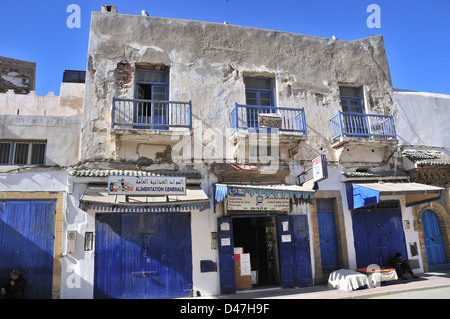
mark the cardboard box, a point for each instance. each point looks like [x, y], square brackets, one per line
[242, 269]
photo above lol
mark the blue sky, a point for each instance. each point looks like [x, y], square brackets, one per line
[416, 32]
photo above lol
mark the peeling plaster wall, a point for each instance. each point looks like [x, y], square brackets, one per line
[61, 133]
[207, 63]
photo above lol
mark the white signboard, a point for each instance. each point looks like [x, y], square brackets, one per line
[285, 238]
[246, 269]
[319, 166]
[225, 241]
[240, 199]
[146, 185]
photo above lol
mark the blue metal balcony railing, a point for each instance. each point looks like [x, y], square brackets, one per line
[362, 125]
[246, 116]
[151, 114]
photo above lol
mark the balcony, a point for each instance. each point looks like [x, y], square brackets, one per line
[255, 117]
[135, 121]
[359, 127]
[150, 114]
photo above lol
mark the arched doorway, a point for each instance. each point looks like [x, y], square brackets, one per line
[434, 241]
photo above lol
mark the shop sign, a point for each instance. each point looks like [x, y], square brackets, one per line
[240, 199]
[146, 185]
[319, 166]
[270, 120]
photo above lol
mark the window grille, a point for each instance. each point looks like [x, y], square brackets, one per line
[22, 152]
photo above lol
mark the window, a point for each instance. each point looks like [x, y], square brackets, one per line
[325, 204]
[351, 99]
[22, 152]
[71, 76]
[152, 86]
[5, 151]
[258, 92]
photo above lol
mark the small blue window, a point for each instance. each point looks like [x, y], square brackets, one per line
[258, 92]
[351, 100]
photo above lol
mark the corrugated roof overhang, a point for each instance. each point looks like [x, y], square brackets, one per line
[361, 195]
[96, 197]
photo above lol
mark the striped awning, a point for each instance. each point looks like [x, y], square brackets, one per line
[295, 192]
[97, 198]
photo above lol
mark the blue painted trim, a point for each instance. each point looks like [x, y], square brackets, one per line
[362, 125]
[290, 122]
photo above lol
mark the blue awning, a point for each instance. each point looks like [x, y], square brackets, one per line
[361, 195]
[294, 191]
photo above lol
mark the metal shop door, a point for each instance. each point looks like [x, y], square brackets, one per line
[378, 235]
[143, 255]
[27, 231]
[434, 242]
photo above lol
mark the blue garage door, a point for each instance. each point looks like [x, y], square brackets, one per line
[378, 235]
[143, 256]
[27, 231]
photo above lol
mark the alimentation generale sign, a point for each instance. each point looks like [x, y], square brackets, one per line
[146, 185]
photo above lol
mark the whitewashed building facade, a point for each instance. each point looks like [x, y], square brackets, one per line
[196, 143]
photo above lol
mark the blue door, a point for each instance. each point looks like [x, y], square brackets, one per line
[145, 252]
[179, 257]
[378, 235]
[354, 121]
[108, 256]
[143, 256]
[226, 255]
[286, 251]
[434, 242]
[258, 92]
[328, 240]
[302, 250]
[363, 237]
[27, 231]
[294, 251]
[160, 109]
